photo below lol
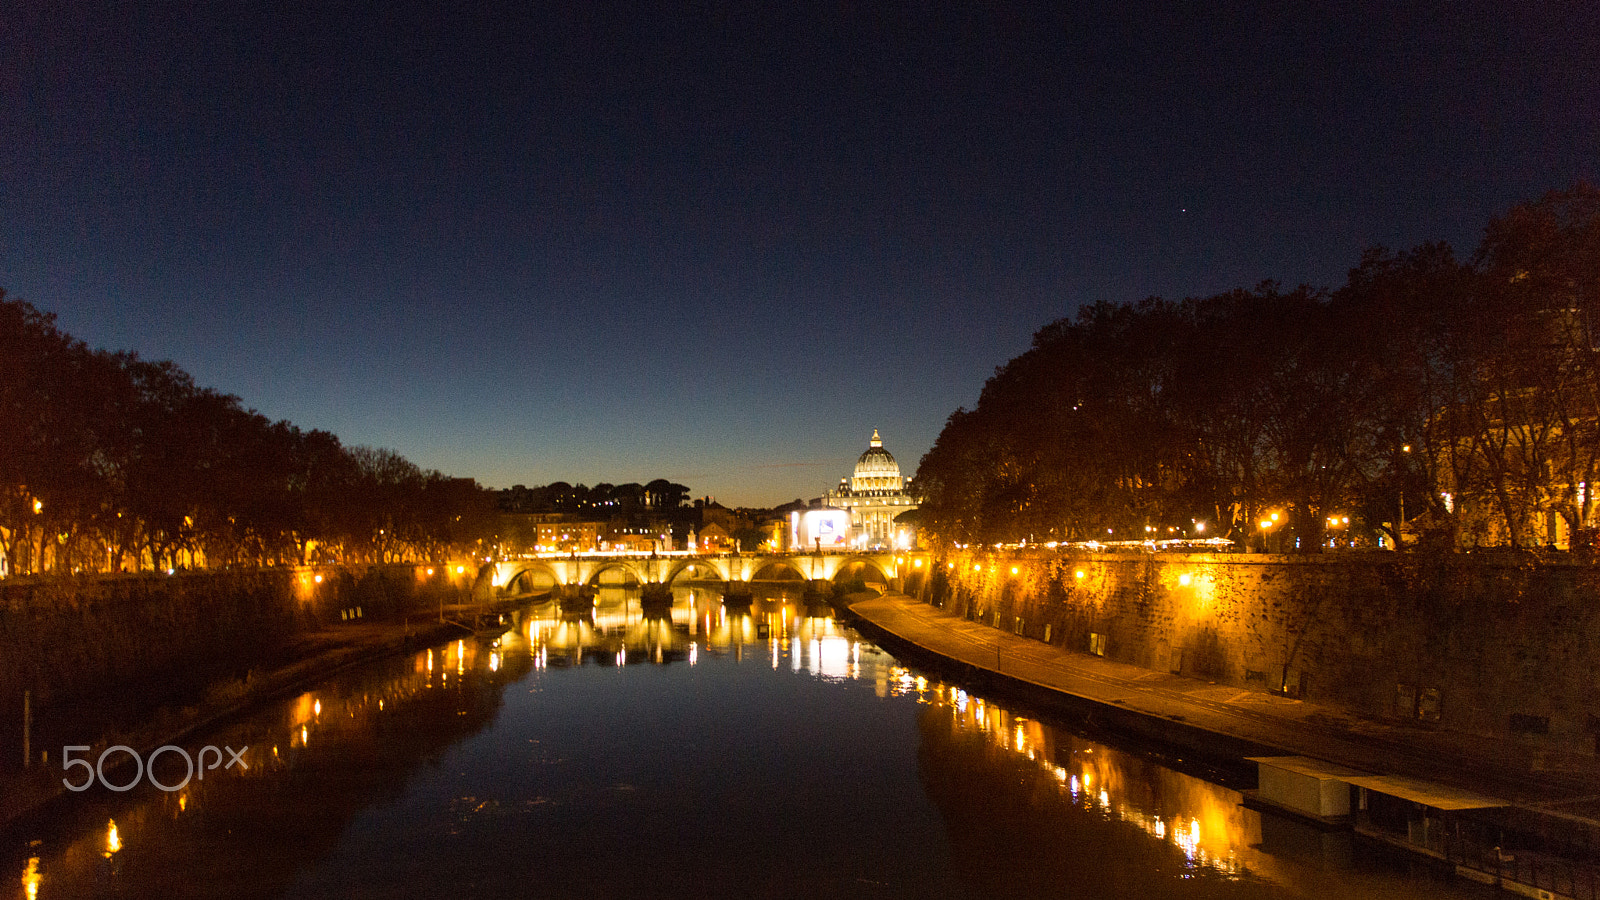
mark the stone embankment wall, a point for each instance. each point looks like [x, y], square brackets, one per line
[1481, 644]
[65, 638]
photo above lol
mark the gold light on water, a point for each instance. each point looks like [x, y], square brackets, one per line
[30, 879]
[113, 839]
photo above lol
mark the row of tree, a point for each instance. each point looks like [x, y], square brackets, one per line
[603, 499]
[109, 462]
[1459, 397]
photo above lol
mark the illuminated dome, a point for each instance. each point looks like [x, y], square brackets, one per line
[876, 470]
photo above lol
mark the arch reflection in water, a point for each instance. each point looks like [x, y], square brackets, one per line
[618, 629]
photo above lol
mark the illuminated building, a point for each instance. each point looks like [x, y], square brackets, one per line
[874, 494]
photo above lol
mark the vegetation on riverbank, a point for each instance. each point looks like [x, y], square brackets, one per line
[1462, 398]
[113, 463]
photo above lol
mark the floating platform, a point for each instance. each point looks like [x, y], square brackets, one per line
[1311, 790]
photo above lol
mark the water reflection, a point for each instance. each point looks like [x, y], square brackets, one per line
[1139, 825]
[764, 750]
[306, 768]
[30, 879]
[1203, 822]
[619, 629]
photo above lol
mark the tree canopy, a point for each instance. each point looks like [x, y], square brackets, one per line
[109, 462]
[1461, 397]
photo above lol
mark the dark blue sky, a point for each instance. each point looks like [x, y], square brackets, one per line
[721, 244]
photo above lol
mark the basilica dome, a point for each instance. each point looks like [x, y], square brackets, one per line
[876, 470]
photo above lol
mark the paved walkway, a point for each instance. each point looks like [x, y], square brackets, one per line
[1501, 767]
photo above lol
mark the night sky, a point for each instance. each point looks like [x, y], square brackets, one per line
[721, 244]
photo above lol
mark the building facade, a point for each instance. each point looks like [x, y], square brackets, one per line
[874, 494]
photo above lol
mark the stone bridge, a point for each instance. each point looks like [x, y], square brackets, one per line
[573, 571]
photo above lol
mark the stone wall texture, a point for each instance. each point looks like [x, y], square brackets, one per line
[1484, 644]
[63, 638]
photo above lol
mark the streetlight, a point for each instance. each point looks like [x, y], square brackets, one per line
[1398, 541]
[1337, 522]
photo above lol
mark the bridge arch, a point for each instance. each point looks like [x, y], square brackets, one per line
[701, 567]
[769, 565]
[861, 566]
[593, 577]
[529, 578]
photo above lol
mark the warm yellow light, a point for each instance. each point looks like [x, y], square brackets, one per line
[949, 565]
[430, 571]
[38, 507]
[461, 570]
[113, 840]
[1266, 523]
[1274, 517]
[1013, 570]
[1345, 520]
[318, 579]
[917, 564]
[1078, 574]
[1185, 579]
[977, 568]
[30, 879]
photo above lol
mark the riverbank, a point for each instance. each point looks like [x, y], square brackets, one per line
[1226, 722]
[1538, 790]
[1505, 646]
[317, 655]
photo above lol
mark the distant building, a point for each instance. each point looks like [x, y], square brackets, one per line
[713, 538]
[821, 528]
[874, 494]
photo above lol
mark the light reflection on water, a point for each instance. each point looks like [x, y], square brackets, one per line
[1205, 821]
[712, 768]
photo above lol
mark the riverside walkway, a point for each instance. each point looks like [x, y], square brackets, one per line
[1223, 720]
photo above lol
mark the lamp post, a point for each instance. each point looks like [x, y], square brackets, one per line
[1399, 541]
[1338, 522]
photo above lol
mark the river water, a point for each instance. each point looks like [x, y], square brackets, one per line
[769, 754]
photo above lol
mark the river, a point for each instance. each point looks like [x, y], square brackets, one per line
[773, 753]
